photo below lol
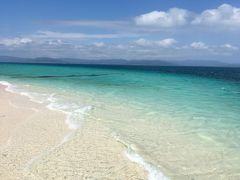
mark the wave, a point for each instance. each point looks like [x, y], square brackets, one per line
[74, 113]
[35, 97]
[74, 117]
[153, 172]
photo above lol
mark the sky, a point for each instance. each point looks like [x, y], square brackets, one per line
[168, 30]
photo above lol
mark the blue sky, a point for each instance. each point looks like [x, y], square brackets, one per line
[126, 29]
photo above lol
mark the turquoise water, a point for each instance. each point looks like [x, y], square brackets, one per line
[184, 121]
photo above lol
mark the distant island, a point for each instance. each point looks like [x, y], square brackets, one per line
[48, 60]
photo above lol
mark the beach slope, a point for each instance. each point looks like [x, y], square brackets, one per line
[32, 145]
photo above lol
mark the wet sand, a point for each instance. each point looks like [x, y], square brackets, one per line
[32, 147]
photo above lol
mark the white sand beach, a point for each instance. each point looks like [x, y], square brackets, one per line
[32, 147]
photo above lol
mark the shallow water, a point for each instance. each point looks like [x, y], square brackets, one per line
[184, 122]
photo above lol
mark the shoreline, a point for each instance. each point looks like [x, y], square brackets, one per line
[183, 135]
[119, 162]
[25, 132]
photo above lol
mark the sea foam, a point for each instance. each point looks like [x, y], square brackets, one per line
[74, 116]
[35, 97]
[74, 113]
[153, 172]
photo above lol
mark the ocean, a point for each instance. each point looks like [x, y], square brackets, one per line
[177, 122]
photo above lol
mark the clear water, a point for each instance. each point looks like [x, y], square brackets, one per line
[184, 121]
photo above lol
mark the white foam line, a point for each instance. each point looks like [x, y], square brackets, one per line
[54, 106]
[8, 86]
[11, 88]
[66, 137]
[76, 112]
[69, 115]
[153, 172]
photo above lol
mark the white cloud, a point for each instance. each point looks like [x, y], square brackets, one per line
[143, 42]
[198, 45]
[141, 49]
[15, 41]
[55, 42]
[225, 15]
[120, 46]
[90, 23]
[229, 46]
[173, 17]
[60, 35]
[99, 44]
[165, 43]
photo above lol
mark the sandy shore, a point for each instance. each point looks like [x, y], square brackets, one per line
[26, 130]
[31, 145]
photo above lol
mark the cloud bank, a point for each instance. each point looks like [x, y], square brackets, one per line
[173, 17]
[165, 43]
[172, 34]
[225, 16]
[15, 41]
[198, 45]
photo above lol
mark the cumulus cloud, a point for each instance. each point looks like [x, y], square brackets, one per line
[55, 42]
[173, 17]
[140, 49]
[198, 45]
[165, 43]
[15, 41]
[225, 15]
[143, 42]
[229, 46]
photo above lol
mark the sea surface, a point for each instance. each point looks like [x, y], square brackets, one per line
[183, 122]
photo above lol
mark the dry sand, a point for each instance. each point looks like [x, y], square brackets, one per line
[31, 145]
